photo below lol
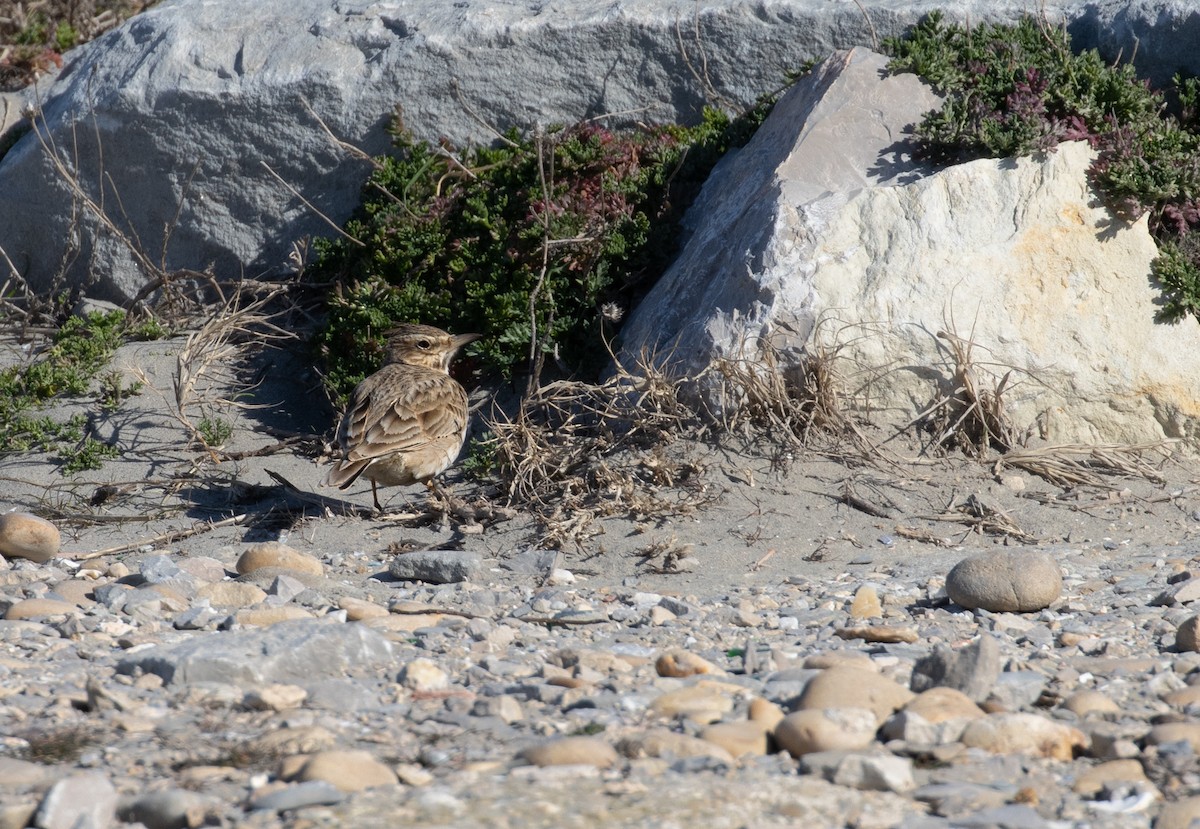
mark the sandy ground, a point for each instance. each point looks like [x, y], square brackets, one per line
[760, 522]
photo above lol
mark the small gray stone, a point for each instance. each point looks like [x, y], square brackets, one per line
[167, 809]
[294, 651]
[299, 796]
[1015, 690]
[972, 669]
[81, 800]
[437, 566]
[1020, 581]
[1009, 816]
[286, 587]
[871, 772]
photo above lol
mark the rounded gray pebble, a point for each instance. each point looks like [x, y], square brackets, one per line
[1020, 581]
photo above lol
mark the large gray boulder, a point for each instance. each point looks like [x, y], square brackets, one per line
[820, 236]
[196, 127]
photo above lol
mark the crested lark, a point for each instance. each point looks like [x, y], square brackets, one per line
[406, 422]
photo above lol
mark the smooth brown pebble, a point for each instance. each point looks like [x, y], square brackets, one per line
[1089, 701]
[851, 687]
[879, 633]
[1015, 582]
[1179, 814]
[572, 751]
[765, 712]
[349, 771]
[738, 738]
[231, 595]
[39, 609]
[1090, 781]
[264, 616]
[359, 609]
[829, 729]
[1173, 732]
[26, 536]
[838, 659]
[942, 704]
[274, 554]
[700, 703]
[680, 663]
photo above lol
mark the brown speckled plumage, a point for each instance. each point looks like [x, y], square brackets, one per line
[406, 422]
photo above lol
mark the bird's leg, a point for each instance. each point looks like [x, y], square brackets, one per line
[375, 495]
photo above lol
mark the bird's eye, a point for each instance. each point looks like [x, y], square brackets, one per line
[423, 344]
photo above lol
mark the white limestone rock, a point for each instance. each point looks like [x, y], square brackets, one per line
[821, 232]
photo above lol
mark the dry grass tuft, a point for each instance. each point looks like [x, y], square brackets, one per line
[575, 452]
[1072, 465]
[800, 406]
[971, 416]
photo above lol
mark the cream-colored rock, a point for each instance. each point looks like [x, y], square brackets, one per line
[850, 687]
[765, 712]
[349, 771]
[39, 608]
[866, 604]
[231, 594]
[264, 616]
[661, 742]
[1183, 697]
[274, 554]
[359, 609]
[572, 751]
[829, 729]
[680, 663]
[26, 536]
[739, 738]
[276, 697]
[1019, 256]
[424, 676]
[1090, 781]
[837, 659]
[703, 703]
[940, 704]
[1021, 733]
[1090, 701]
[1174, 731]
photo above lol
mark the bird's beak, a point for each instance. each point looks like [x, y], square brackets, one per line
[464, 339]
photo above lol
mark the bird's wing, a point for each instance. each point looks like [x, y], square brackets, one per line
[405, 410]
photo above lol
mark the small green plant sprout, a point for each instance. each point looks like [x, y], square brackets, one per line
[214, 431]
[113, 391]
[88, 455]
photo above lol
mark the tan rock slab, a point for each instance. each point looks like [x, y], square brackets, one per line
[828, 729]
[942, 704]
[231, 594]
[1171, 732]
[702, 703]
[275, 697]
[403, 623]
[360, 609]
[274, 554]
[1090, 701]
[1183, 697]
[263, 616]
[27, 609]
[348, 770]
[1021, 733]
[572, 751]
[1092, 780]
[26, 536]
[681, 663]
[851, 687]
[739, 738]
[76, 591]
[662, 742]
[424, 676]
[879, 633]
[765, 712]
[835, 659]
